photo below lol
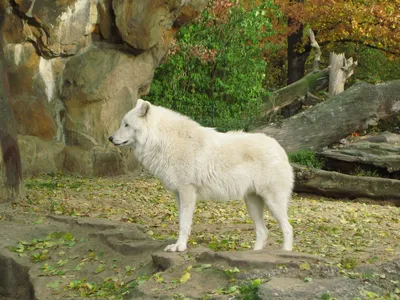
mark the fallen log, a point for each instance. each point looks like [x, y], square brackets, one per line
[311, 83]
[337, 185]
[357, 108]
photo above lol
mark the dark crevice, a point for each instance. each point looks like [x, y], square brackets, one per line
[32, 22]
[116, 35]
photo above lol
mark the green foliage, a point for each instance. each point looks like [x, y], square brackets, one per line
[51, 182]
[358, 171]
[51, 241]
[348, 262]
[216, 74]
[250, 291]
[306, 158]
[326, 296]
[374, 66]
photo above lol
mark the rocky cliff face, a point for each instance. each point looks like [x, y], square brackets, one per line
[76, 67]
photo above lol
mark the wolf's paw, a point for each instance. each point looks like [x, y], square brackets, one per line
[287, 248]
[175, 248]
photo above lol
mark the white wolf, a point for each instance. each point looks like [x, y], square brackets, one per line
[196, 162]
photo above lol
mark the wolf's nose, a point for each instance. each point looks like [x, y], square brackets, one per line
[110, 138]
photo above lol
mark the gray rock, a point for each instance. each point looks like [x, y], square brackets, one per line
[165, 260]
[14, 281]
[286, 288]
[73, 74]
[40, 156]
[144, 24]
[266, 259]
[63, 26]
[375, 154]
[118, 246]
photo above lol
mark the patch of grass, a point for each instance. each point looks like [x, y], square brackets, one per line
[51, 183]
[40, 184]
[306, 158]
[249, 291]
[348, 263]
[362, 172]
[326, 296]
[231, 273]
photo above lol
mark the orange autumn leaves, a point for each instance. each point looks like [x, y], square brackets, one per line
[375, 23]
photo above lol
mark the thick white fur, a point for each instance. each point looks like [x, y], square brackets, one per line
[196, 163]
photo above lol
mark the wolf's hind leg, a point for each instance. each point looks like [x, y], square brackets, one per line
[277, 203]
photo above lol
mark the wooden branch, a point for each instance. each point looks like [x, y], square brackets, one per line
[314, 44]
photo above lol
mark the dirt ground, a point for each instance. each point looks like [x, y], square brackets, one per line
[346, 234]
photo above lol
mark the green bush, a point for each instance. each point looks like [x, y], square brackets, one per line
[306, 158]
[216, 73]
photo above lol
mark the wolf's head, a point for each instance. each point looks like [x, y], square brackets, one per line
[132, 125]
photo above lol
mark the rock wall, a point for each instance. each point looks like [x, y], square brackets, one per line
[76, 67]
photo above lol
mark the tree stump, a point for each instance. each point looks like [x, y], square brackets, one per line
[11, 184]
[340, 70]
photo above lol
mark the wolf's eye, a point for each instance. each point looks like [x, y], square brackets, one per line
[126, 125]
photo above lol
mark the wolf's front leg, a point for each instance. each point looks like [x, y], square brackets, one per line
[186, 200]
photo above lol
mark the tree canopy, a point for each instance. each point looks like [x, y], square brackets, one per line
[374, 23]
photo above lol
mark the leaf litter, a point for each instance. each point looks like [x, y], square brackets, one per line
[336, 230]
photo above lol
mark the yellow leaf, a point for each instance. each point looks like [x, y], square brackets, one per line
[185, 277]
[160, 280]
[188, 268]
[305, 266]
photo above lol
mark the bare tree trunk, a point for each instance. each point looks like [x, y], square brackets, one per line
[11, 183]
[296, 58]
[340, 70]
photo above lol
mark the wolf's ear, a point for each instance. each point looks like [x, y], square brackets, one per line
[143, 108]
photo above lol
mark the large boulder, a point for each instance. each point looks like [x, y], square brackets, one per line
[39, 156]
[76, 67]
[34, 87]
[96, 99]
[99, 161]
[60, 27]
[142, 24]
